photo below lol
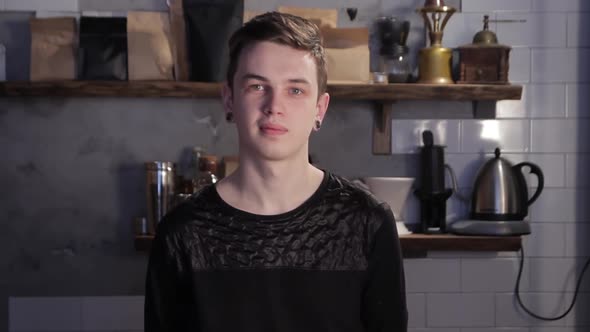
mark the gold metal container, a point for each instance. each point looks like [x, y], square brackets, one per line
[435, 65]
[434, 62]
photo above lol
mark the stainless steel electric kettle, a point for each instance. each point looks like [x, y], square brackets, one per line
[500, 192]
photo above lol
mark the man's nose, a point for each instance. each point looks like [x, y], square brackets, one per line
[273, 104]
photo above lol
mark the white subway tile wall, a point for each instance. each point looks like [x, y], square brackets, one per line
[407, 134]
[550, 126]
[417, 309]
[420, 275]
[577, 30]
[520, 65]
[45, 314]
[496, 5]
[557, 275]
[91, 313]
[34, 5]
[564, 65]
[483, 136]
[560, 135]
[552, 165]
[514, 109]
[510, 314]
[546, 240]
[538, 30]
[460, 310]
[560, 6]
[561, 205]
[491, 329]
[579, 317]
[118, 5]
[558, 329]
[576, 174]
[476, 276]
[112, 313]
[576, 240]
[546, 101]
[578, 100]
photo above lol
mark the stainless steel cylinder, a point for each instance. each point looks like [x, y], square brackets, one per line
[160, 191]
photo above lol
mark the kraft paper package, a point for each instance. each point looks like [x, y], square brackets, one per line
[148, 43]
[103, 48]
[53, 48]
[249, 14]
[210, 24]
[323, 18]
[347, 50]
[179, 40]
[347, 55]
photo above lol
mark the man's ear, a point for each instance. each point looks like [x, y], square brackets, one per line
[227, 98]
[322, 106]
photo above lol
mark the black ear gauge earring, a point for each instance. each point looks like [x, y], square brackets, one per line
[229, 117]
[318, 124]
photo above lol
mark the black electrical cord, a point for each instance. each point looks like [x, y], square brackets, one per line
[516, 291]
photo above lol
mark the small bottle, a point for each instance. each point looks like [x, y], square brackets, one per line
[207, 170]
[191, 172]
[186, 181]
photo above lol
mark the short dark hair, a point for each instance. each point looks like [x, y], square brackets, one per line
[284, 29]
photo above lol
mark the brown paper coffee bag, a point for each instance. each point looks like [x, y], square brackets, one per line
[249, 14]
[179, 41]
[53, 48]
[347, 55]
[148, 46]
[323, 18]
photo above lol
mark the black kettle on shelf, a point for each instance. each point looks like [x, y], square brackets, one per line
[500, 199]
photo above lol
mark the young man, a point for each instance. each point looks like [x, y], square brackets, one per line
[278, 245]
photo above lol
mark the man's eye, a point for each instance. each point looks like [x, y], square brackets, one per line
[256, 87]
[296, 91]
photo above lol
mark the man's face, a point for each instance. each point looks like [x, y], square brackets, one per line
[275, 100]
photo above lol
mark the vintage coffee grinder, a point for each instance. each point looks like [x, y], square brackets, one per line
[435, 61]
[484, 61]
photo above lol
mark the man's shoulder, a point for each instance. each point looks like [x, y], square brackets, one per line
[197, 205]
[354, 191]
[353, 197]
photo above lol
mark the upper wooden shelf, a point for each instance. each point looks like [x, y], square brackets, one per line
[374, 92]
[417, 245]
[382, 94]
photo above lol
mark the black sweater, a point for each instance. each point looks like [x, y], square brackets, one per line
[332, 264]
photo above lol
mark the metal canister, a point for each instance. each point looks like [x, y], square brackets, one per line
[160, 178]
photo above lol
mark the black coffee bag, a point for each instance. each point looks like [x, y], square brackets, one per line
[103, 48]
[209, 24]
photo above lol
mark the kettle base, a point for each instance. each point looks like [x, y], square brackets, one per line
[490, 228]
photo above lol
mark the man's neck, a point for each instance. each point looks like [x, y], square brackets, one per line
[270, 187]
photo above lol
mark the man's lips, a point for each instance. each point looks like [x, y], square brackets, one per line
[273, 129]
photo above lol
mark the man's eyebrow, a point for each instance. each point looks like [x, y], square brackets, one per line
[250, 76]
[299, 80]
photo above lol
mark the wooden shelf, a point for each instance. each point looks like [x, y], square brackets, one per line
[417, 245]
[173, 89]
[382, 94]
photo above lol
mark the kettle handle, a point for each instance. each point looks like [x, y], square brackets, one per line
[537, 171]
[455, 190]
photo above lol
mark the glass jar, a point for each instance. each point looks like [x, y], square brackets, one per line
[207, 172]
[396, 64]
